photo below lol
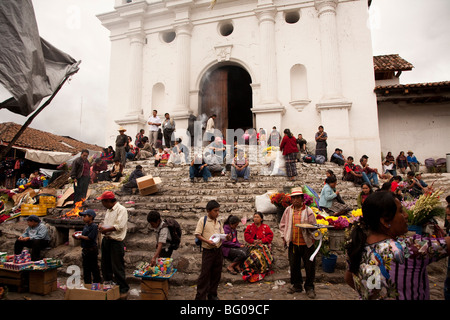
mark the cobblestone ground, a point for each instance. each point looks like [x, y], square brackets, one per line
[328, 287]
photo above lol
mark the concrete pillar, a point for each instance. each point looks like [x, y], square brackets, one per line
[333, 105]
[268, 109]
[137, 41]
[182, 109]
[331, 73]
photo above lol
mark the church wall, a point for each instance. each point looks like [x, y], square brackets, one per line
[296, 44]
[358, 80]
[118, 88]
[422, 128]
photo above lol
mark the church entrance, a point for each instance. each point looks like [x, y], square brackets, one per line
[226, 92]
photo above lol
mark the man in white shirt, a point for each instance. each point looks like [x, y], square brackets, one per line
[114, 230]
[154, 122]
[209, 131]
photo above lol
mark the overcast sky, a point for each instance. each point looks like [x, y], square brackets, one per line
[418, 30]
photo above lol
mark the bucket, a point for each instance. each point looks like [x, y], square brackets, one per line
[329, 263]
[337, 239]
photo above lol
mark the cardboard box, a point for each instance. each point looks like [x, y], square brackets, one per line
[43, 281]
[88, 294]
[154, 289]
[148, 184]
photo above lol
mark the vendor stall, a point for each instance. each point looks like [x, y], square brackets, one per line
[155, 279]
[24, 275]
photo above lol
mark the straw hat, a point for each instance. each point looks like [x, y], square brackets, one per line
[122, 129]
[297, 192]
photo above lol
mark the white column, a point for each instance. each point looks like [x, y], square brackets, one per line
[133, 119]
[333, 105]
[183, 64]
[137, 41]
[331, 73]
[269, 90]
[268, 109]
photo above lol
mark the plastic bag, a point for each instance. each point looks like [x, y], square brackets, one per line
[263, 204]
[279, 167]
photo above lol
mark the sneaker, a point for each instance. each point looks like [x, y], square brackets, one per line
[310, 293]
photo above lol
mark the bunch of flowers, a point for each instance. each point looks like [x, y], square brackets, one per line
[268, 150]
[325, 248]
[339, 223]
[426, 207]
[277, 199]
[355, 215]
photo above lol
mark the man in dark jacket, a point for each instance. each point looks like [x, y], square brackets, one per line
[132, 184]
[80, 175]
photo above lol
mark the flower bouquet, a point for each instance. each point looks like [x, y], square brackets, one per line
[277, 199]
[423, 209]
[325, 248]
[339, 223]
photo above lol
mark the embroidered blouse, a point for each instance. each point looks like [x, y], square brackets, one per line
[397, 269]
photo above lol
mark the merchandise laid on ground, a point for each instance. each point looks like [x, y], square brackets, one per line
[20, 272]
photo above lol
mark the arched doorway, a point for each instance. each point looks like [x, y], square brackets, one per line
[226, 92]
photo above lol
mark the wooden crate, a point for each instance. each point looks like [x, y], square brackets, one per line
[43, 281]
[14, 279]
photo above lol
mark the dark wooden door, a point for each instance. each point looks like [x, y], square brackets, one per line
[215, 98]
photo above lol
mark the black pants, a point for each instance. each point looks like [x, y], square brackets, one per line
[91, 271]
[113, 263]
[36, 245]
[166, 253]
[211, 272]
[296, 254]
[237, 255]
[168, 138]
[81, 189]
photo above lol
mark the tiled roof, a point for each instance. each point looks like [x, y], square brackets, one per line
[415, 85]
[40, 140]
[391, 62]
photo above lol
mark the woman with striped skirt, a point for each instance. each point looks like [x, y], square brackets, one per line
[289, 148]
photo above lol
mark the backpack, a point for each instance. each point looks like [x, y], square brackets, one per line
[309, 158]
[320, 159]
[430, 163]
[198, 242]
[175, 232]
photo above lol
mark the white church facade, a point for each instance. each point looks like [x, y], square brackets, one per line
[293, 64]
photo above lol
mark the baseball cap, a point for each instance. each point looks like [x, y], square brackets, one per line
[88, 212]
[107, 195]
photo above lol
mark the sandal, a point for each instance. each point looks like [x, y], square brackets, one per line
[232, 272]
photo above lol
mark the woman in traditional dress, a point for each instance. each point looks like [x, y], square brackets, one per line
[259, 237]
[321, 143]
[402, 162]
[289, 148]
[383, 262]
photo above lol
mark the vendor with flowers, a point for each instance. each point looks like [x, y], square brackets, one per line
[300, 242]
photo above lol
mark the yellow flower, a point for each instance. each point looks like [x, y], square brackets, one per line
[357, 213]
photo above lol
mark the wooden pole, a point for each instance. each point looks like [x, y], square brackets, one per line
[31, 118]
